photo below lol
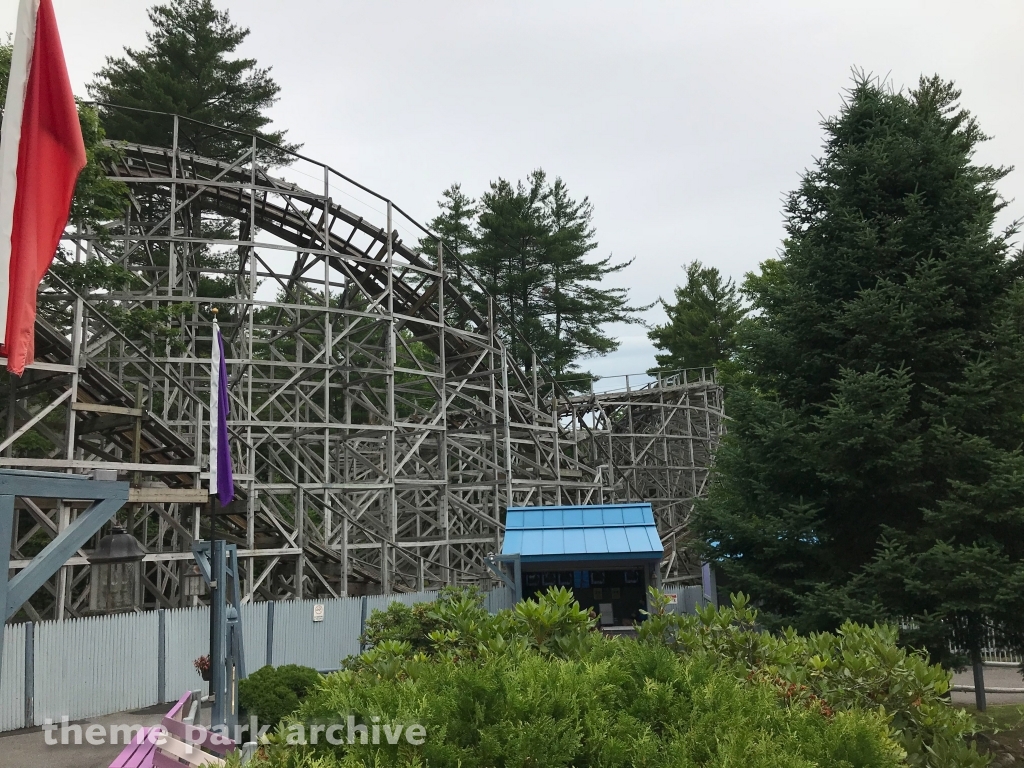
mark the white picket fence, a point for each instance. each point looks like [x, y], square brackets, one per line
[100, 665]
[12, 678]
[992, 650]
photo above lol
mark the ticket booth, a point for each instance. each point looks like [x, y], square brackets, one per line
[608, 555]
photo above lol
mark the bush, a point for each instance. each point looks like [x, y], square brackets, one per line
[457, 623]
[858, 667]
[622, 704]
[537, 686]
[453, 609]
[271, 693]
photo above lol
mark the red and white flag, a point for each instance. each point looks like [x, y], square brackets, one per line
[41, 153]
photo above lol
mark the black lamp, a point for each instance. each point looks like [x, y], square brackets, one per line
[116, 572]
[118, 546]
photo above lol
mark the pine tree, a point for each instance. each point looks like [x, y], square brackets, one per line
[702, 323]
[578, 300]
[529, 247]
[873, 466]
[187, 69]
[454, 224]
[508, 259]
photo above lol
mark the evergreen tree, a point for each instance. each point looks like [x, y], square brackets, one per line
[187, 69]
[454, 224]
[578, 303]
[702, 323]
[529, 246]
[873, 466]
[508, 259]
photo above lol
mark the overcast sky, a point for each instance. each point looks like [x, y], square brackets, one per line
[684, 122]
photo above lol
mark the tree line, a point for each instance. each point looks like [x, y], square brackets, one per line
[875, 386]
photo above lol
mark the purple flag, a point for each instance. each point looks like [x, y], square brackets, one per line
[222, 480]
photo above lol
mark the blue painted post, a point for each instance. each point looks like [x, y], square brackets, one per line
[517, 574]
[30, 674]
[236, 601]
[161, 657]
[270, 633]
[708, 585]
[218, 632]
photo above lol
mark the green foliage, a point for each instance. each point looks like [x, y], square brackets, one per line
[85, 277]
[707, 690]
[187, 69]
[702, 325]
[611, 702]
[154, 328]
[856, 668]
[399, 623]
[454, 224]
[530, 245]
[553, 623]
[872, 469]
[457, 624]
[454, 609]
[271, 693]
[97, 200]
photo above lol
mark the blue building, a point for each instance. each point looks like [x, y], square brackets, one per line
[608, 555]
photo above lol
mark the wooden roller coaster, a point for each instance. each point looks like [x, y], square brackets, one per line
[380, 425]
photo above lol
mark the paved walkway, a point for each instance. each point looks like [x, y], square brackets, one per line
[995, 677]
[27, 749]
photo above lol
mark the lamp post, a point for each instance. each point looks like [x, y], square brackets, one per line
[116, 559]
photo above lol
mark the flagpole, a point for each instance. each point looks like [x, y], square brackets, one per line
[213, 426]
[216, 588]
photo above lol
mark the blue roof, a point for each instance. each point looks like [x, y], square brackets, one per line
[604, 532]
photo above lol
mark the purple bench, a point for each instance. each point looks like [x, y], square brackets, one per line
[175, 742]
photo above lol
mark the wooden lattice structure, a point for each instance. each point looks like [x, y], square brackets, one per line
[379, 424]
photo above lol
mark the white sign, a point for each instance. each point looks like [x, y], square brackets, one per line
[673, 597]
[318, 612]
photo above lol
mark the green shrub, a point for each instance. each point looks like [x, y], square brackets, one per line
[537, 686]
[414, 624]
[457, 623]
[858, 667]
[271, 693]
[621, 704]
